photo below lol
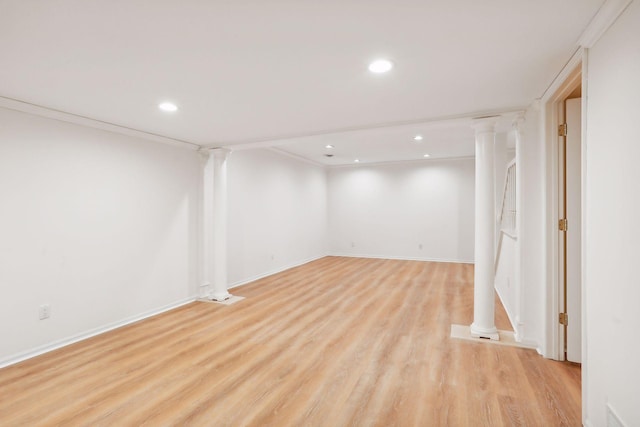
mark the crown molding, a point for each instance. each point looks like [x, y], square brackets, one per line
[62, 116]
[295, 156]
[401, 162]
[602, 20]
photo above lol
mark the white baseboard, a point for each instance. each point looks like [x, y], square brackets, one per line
[275, 271]
[402, 258]
[515, 325]
[533, 344]
[19, 357]
[528, 343]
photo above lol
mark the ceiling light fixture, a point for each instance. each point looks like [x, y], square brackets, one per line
[417, 138]
[168, 107]
[329, 146]
[357, 160]
[380, 66]
[426, 155]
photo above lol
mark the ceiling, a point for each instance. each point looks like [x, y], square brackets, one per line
[289, 72]
[439, 139]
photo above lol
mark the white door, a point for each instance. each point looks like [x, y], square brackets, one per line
[574, 226]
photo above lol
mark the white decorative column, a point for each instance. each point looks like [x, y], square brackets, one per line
[215, 224]
[206, 204]
[483, 325]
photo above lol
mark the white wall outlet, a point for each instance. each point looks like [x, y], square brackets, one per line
[44, 311]
[420, 246]
[353, 244]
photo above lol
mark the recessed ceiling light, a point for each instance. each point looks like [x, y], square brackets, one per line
[380, 66]
[168, 107]
[328, 146]
[426, 155]
[357, 160]
[417, 138]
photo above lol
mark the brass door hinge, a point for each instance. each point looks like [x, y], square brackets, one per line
[562, 224]
[562, 130]
[563, 319]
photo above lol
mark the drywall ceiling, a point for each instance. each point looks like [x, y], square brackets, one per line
[439, 139]
[248, 71]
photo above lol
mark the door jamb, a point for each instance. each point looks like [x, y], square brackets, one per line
[571, 77]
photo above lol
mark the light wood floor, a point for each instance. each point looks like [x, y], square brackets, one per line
[336, 342]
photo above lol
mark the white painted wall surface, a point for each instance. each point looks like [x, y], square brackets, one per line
[505, 280]
[612, 286]
[390, 210]
[277, 213]
[531, 313]
[102, 227]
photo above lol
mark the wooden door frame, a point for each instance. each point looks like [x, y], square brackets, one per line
[572, 76]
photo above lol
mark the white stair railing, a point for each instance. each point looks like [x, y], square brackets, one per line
[507, 216]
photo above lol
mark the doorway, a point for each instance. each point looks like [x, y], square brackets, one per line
[570, 226]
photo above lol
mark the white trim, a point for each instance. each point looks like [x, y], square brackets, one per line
[603, 19]
[293, 156]
[427, 123]
[584, 236]
[275, 271]
[532, 344]
[401, 258]
[62, 116]
[561, 79]
[510, 235]
[518, 126]
[570, 77]
[397, 162]
[19, 357]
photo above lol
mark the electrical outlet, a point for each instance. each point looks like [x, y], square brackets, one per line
[353, 244]
[420, 246]
[44, 311]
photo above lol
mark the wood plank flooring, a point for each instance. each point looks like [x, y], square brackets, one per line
[336, 342]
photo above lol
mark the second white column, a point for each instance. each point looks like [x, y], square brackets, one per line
[483, 325]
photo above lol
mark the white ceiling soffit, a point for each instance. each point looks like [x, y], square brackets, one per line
[454, 138]
[243, 71]
[385, 145]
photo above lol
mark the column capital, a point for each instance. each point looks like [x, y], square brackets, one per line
[518, 122]
[485, 124]
[204, 153]
[220, 153]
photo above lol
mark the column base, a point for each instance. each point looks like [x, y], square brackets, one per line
[486, 333]
[219, 296]
[203, 292]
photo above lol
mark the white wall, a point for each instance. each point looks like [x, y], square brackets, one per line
[101, 226]
[390, 210]
[531, 312]
[612, 286]
[277, 213]
[505, 280]
[522, 291]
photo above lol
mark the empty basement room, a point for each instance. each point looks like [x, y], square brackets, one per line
[319, 213]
